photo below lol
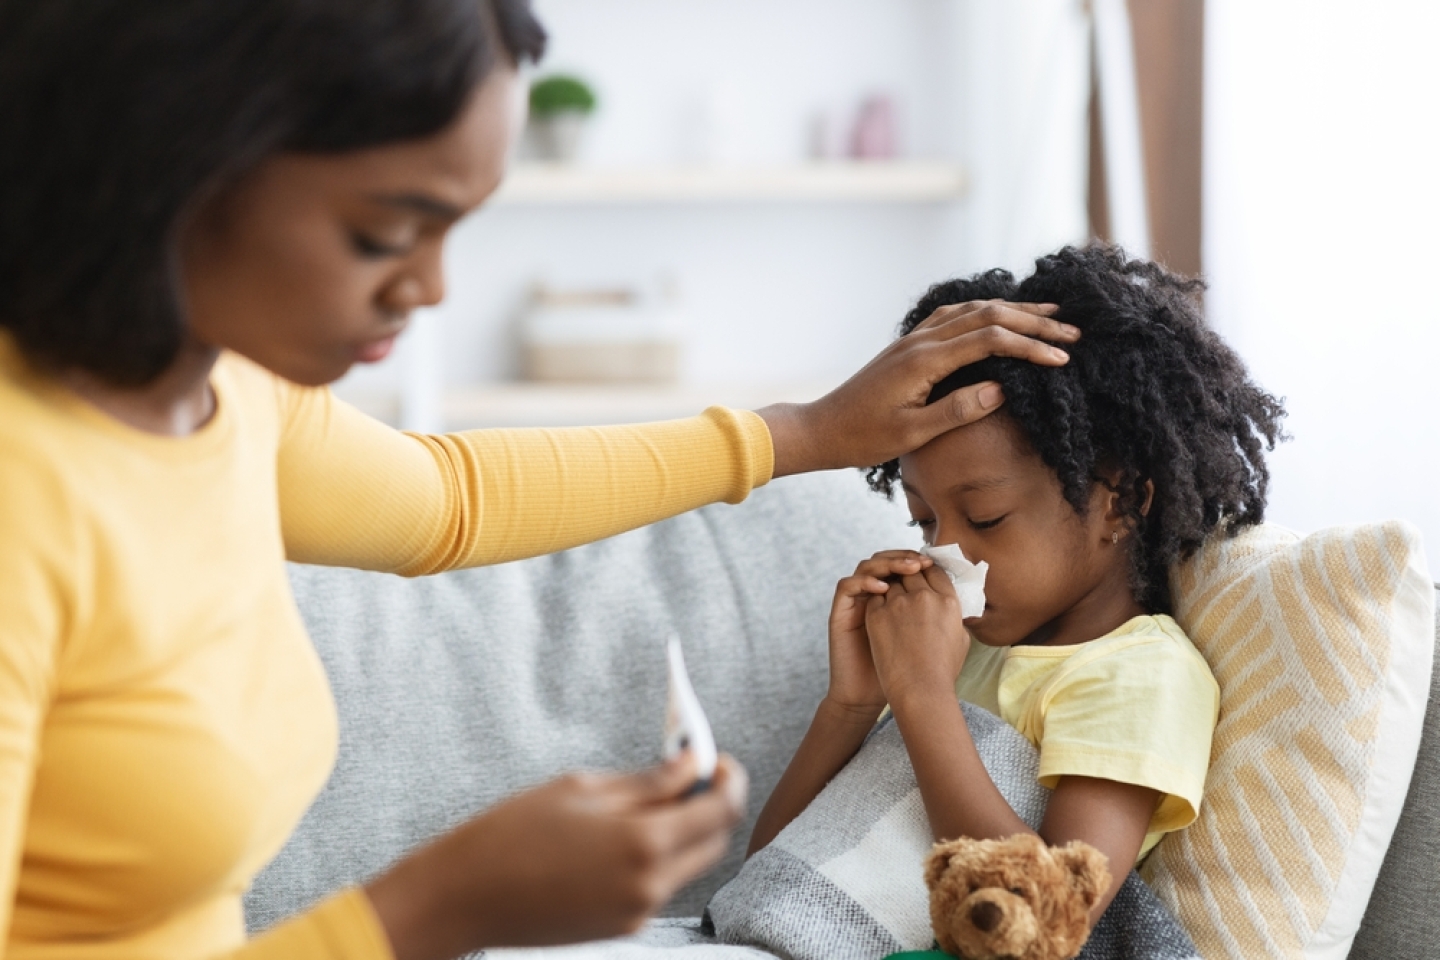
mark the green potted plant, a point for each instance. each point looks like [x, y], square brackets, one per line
[559, 107]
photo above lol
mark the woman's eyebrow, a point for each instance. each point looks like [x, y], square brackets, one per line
[422, 204]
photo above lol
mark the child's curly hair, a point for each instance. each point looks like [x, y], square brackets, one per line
[1151, 393]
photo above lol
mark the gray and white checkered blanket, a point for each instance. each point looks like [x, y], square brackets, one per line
[844, 882]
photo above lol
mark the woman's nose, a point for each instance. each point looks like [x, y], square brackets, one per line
[422, 284]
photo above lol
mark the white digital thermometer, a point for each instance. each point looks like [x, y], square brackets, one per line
[685, 723]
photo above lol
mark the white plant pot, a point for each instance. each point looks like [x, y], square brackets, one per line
[558, 136]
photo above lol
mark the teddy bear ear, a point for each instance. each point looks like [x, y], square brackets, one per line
[1088, 870]
[941, 859]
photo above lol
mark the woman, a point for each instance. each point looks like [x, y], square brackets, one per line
[210, 209]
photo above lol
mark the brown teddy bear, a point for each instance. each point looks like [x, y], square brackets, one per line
[1017, 898]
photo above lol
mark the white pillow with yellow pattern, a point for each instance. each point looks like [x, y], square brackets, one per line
[1322, 647]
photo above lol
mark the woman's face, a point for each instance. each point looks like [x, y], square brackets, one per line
[1055, 576]
[313, 262]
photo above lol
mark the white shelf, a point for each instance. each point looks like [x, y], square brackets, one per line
[552, 405]
[840, 181]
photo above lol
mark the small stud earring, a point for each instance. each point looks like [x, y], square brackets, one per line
[1114, 536]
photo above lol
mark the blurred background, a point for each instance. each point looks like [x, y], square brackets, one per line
[735, 201]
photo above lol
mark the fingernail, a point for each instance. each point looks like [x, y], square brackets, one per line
[1069, 330]
[1049, 307]
[1059, 354]
[990, 396]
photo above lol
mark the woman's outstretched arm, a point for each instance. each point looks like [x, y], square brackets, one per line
[356, 493]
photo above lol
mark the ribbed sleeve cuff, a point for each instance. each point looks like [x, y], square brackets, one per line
[354, 927]
[343, 927]
[754, 449]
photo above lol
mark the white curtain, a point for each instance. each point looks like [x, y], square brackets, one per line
[1024, 67]
[1322, 244]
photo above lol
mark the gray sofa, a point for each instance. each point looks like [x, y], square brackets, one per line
[457, 690]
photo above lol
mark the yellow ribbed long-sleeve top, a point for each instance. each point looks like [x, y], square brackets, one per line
[164, 720]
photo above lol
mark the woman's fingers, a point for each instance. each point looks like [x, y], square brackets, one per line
[881, 412]
[1030, 319]
[698, 816]
[663, 783]
[950, 354]
[685, 838]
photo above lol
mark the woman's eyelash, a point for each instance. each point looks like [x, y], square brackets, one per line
[987, 524]
[368, 247]
[919, 523]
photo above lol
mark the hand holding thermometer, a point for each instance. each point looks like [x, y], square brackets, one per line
[685, 723]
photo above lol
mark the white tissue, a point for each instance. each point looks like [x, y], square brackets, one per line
[685, 723]
[968, 578]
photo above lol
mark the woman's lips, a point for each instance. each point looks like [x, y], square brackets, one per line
[375, 350]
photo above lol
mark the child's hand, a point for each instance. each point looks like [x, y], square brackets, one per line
[854, 683]
[917, 639]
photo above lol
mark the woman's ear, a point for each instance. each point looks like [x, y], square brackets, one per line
[1149, 498]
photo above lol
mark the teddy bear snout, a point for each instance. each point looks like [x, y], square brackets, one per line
[1004, 921]
[985, 915]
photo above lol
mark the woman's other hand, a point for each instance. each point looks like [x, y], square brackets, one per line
[880, 412]
[917, 637]
[854, 684]
[583, 857]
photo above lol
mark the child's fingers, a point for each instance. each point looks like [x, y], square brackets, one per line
[939, 581]
[901, 555]
[893, 564]
[859, 587]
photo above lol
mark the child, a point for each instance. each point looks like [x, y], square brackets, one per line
[1079, 492]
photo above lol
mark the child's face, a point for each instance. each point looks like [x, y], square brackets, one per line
[1056, 577]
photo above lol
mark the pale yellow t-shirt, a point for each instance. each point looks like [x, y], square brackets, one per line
[1138, 705]
[164, 720]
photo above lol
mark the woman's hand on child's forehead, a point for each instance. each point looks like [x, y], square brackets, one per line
[1029, 319]
[881, 412]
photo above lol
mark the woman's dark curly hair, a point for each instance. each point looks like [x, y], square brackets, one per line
[118, 116]
[1151, 393]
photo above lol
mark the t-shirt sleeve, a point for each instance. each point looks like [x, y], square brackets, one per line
[1142, 713]
[355, 492]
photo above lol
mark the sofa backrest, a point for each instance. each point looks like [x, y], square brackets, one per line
[458, 690]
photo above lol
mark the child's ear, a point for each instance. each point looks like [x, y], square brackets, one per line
[1111, 480]
[1149, 498]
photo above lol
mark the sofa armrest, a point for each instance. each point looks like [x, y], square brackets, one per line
[1402, 920]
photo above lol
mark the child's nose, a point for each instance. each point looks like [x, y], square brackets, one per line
[958, 534]
[946, 533]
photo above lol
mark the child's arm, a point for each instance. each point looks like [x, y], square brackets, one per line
[851, 705]
[919, 645]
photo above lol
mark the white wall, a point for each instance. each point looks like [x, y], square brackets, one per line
[784, 292]
[1322, 226]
